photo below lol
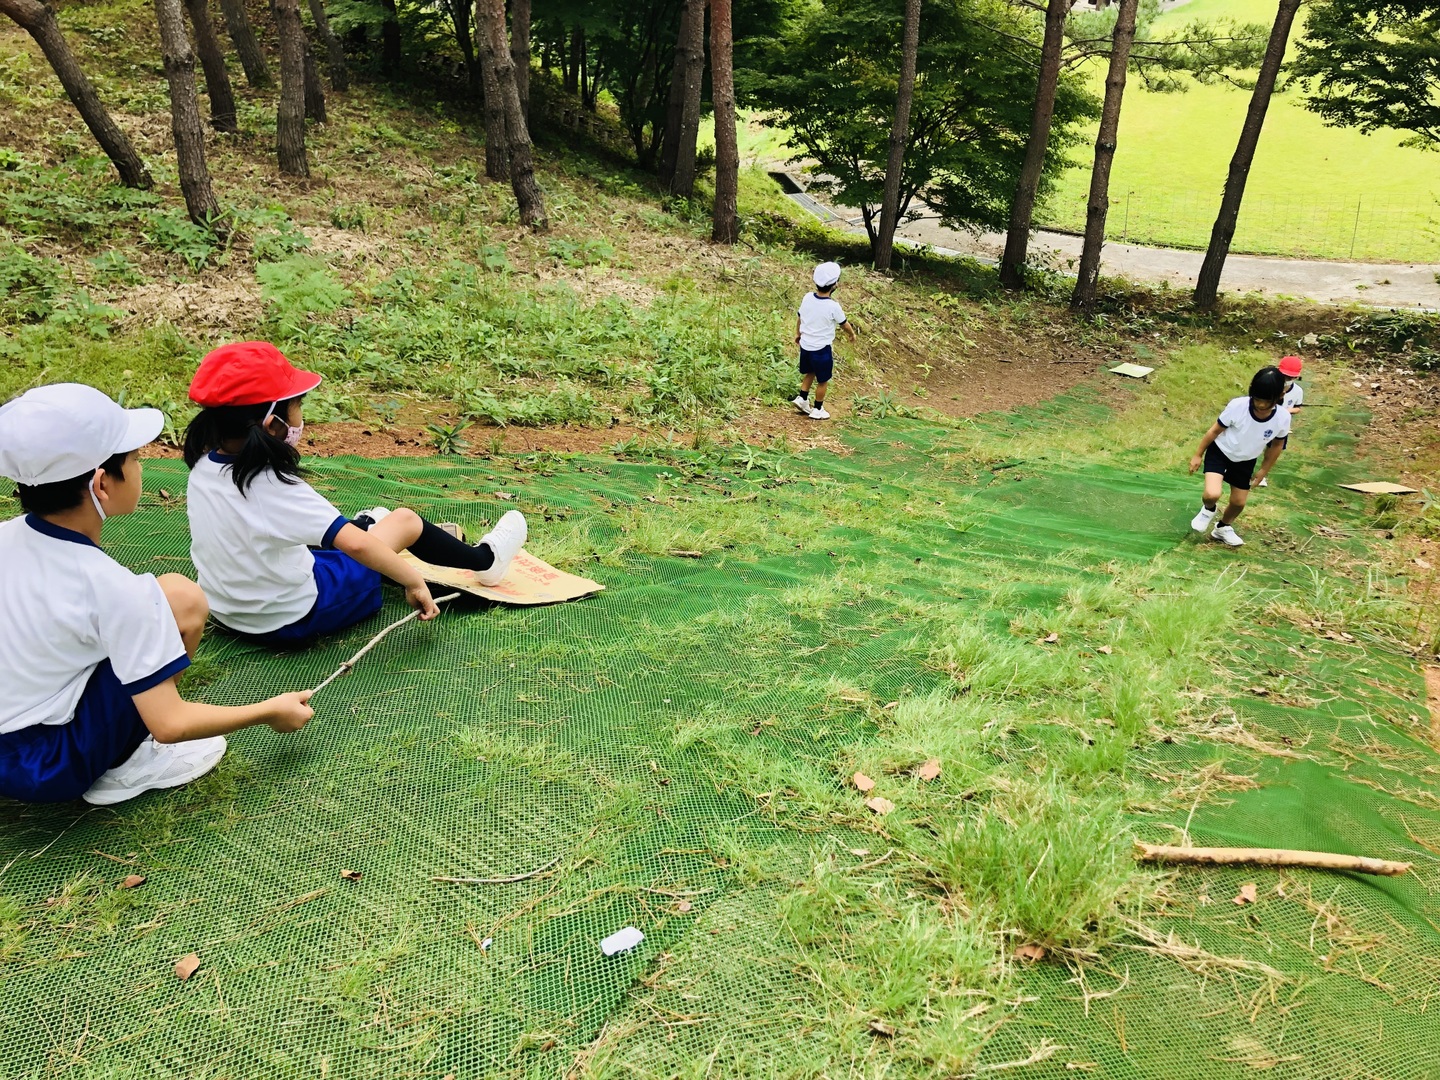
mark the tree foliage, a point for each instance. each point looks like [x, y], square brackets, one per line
[831, 80]
[1374, 64]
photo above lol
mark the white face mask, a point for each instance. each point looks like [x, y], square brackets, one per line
[95, 499]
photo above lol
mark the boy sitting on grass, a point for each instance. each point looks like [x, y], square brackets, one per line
[815, 324]
[90, 651]
[1248, 427]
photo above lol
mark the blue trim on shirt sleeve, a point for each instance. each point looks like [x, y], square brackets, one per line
[149, 682]
[328, 540]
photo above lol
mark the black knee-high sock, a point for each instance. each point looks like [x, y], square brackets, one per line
[439, 548]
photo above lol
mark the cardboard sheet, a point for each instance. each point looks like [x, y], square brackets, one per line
[1380, 487]
[1133, 371]
[530, 581]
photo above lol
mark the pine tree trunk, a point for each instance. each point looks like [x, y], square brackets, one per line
[678, 170]
[290, 114]
[899, 138]
[179, 62]
[520, 52]
[726, 228]
[1088, 278]
[1207, 286]
[314, 88]
[390, 39]
[517, 143]
[212, 60]
[497, 159]
[247, 45]
[1022, 209]
[577, 54]
[675, 101]
[334, 51]
[38, 20]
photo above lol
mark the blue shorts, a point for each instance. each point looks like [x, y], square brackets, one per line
[347, 592]
[820, 363]
[59, 762]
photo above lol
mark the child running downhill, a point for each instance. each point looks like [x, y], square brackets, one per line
[90, 651]
[1290, 367]
[815, 324]
[254, 521]
[1248, 427]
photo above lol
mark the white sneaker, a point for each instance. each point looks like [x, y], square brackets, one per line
[505, 540]
[1264, 483]
[376, 514]
[1226, 535]
[802, 403]
[819, 413]
[1201, 521]
[156, 765]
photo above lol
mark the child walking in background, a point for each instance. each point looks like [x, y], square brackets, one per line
[819, 316]
[254, 521]
[1248, 427]
[1290, 367]
[89, 650]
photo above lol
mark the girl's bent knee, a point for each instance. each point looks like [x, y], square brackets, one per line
[187, 600]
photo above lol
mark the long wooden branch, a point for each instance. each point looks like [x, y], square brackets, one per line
[1277, 857]
[348, 664]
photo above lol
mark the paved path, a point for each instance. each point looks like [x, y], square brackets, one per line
[1402, 285]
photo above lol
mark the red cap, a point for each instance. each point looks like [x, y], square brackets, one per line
[248, 373]
[1290, 367]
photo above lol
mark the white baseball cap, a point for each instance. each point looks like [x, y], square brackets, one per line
[827, 274]
[66, 430]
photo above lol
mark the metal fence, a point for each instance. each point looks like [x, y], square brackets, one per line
[1388, 228]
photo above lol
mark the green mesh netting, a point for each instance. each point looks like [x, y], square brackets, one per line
[496, 740]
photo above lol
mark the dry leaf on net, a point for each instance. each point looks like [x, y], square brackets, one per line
[1049, 639]
[684, 906]
[862, 782]
[350, 875]
[879, 805]
[187, 966]
[1030, 951]
[929, 770]
[1106, 649]
[879, 1027]
[1247, 894]
[134, 881]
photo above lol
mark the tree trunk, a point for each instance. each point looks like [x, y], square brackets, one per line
[212, 60]
[517, 143]
[520, 52]
[899, 137]
[38, 20]
[290, 114]
[577, 51]
[675, 102]
[314, 88]
[1089, 275]
[678, 172]
[179, 62]
[390, 39]
[497, 160]
[726, 228]
[1022, 209]
[247, 45]
[334, 51]
[1207, 286]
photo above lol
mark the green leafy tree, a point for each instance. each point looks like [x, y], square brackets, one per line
[832, 81]
[1374, 64]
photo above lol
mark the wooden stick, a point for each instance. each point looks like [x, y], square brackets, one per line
[348, 664]
[499, 880]
[1314, 860]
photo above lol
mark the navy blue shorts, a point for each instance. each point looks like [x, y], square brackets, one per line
[1237, 474]
[820, 363]
[59, 762]
[348, 592]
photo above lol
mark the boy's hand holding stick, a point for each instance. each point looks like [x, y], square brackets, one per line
[349, 664]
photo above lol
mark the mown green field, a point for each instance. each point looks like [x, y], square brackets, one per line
[1314, 190]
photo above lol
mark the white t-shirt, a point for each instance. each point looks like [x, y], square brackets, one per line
[68, 606]
[1245, 438]
[252, 551]
[820, 317]
[1294, 397]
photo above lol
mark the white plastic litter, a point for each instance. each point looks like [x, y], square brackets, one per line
[487, 943]
[621, 941]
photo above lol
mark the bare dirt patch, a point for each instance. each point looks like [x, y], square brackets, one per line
[216, 301]
[1432, 697]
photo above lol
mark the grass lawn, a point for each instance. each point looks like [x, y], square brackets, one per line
[1305, 188]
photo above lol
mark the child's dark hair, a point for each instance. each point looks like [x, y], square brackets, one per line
[214, 427]
[1268, 384]
[62, 495]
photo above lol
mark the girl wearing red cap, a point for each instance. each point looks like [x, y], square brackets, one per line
[1290, 367]
[275, 558]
